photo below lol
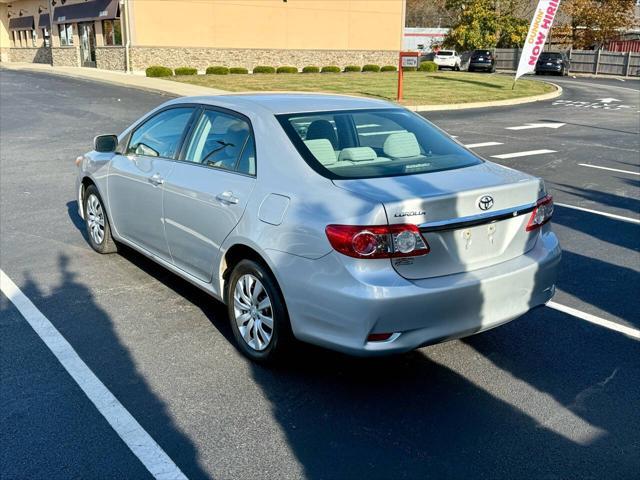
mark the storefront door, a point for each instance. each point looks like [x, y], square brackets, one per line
[87, 44]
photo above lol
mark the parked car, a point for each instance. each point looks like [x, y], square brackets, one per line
[484, 60]
[553, 62]
[448, 59]
[345, 222]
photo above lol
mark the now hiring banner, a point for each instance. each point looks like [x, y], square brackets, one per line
[537, 36]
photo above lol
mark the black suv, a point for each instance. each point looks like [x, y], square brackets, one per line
[482, 60]
[553, 62]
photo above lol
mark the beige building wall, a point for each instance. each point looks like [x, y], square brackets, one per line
[269, 24]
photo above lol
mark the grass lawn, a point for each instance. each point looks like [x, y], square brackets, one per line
[419, 88]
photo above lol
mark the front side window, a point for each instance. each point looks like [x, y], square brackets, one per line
[223, 141]
[373, 143]
[66, 34]
[161, 135]
[112, 32]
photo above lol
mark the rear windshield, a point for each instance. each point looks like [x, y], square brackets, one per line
[550, 56]
[479, 53]
[373, 143]
[445, 53]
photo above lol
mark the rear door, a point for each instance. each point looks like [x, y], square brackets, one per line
[136, 177]
[208, 189]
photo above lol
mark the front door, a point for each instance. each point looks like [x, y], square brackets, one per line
[136, 179]
[206, 193]
[87, 44]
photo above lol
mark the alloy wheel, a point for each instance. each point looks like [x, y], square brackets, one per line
[95, 219]
[253, 312]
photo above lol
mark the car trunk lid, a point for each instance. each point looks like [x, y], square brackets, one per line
[471, 217]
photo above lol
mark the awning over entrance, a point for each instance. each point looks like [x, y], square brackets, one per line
[86, 12]
[21, 23]
[43, 21]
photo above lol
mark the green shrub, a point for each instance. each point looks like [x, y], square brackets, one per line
[263, 69]
[371, 68]
[238, 70]
[409, 69]
[287, 70]
[389, 68]
[186, 71]
[353, 68]
[159, 71]
[330, 69]
[428, 67]
[217, 71]
[311, 69]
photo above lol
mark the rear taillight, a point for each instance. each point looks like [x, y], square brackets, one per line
[383, 241]
[541, 214]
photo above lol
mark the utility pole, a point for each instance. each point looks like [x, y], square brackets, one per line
[51, 31]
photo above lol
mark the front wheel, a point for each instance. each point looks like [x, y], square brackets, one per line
[257, 313]
[97, 223]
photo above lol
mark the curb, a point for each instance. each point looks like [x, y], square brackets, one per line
[495, 103]
[185, 89]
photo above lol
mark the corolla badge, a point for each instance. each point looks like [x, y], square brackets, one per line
[485, 202]
[412, 213]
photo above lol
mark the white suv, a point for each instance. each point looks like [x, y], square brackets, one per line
[448, 59]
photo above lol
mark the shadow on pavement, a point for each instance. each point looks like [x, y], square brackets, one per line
[610, 199]
[70, 304]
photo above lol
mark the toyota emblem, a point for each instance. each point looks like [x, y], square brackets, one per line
[485, 202]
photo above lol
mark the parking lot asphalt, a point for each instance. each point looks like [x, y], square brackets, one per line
[549, 395]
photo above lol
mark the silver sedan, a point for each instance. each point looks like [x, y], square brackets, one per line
[345, 222]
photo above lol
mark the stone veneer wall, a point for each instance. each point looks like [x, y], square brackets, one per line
[201, 58]
[66, 56]
[4, 54]
[110, 58]
[30, 55]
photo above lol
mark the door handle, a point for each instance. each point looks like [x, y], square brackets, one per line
[227, 197]
[156, 180]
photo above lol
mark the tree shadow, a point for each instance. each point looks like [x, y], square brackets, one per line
[617, 201]
[71, 308]
[476, 82]
[609, 230]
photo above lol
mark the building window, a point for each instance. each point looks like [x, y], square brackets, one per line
[45, 35]
[13, 38]
[112, 32]
[66, 34]
[34, 37]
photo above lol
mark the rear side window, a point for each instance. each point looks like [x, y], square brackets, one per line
[224, 141]
[160, 136]
[373, 143]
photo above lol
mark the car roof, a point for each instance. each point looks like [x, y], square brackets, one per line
[280, 103]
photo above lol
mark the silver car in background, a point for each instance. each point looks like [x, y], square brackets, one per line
[345, 222]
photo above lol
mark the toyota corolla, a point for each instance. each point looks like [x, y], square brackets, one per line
[345, 222]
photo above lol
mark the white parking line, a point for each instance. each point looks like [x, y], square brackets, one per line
[609, 168]
[128, 429]
[504, 156]
[631, 332]
[484, 144]
[597, 212]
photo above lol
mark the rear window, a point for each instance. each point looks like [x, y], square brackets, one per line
[445, 53]
[373, 143]
[550, 56]
[480, 53]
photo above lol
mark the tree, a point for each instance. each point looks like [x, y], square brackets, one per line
[427, 13]
[487, 24]
[590, 23]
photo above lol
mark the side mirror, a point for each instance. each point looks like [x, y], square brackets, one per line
[105, 143]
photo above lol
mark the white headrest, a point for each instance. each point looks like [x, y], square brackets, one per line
[401, 145]
[322, 149]
[357, 154]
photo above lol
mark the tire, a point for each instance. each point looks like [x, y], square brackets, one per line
[470, 69]
[97, 223]
[254, 337]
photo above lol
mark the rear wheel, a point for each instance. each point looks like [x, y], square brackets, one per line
[470, 69]
[97, 223]
[257, 312]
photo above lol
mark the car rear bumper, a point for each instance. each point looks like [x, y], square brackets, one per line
[481, 66]
[336, 303]
[549, 68]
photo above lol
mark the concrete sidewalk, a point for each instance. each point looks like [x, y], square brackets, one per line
[118, 78]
